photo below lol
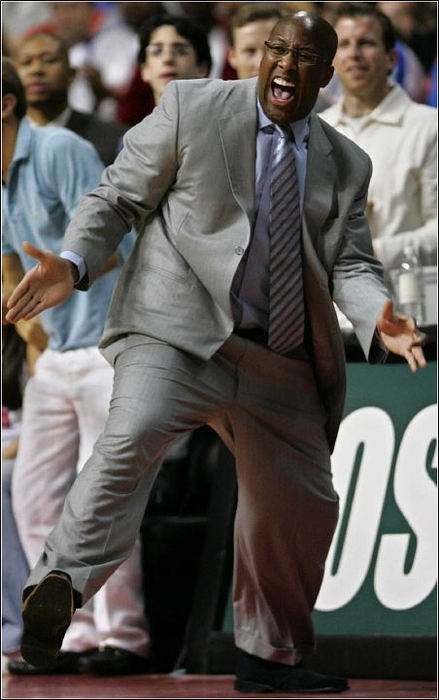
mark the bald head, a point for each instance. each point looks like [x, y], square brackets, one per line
[320, 31]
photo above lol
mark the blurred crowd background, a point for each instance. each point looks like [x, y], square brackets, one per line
[103, 46]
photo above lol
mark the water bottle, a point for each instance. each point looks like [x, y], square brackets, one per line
[410, 284]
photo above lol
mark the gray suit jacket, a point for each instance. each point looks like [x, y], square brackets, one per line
[185, 180]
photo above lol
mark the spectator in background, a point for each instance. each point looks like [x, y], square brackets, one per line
[102, 48]
[46, 170]
[249, 26]
[416, 25]
[407, 71]
[398, 134]
[210, 18]
[17, 19]
[172, 48]
[43, 66]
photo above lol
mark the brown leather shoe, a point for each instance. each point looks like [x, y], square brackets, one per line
[47, 612]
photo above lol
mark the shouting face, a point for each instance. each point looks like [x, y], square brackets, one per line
[295, 65]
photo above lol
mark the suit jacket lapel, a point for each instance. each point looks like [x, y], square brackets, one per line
[319, 200]
[238, 139]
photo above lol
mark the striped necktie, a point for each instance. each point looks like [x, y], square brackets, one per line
[286, 305]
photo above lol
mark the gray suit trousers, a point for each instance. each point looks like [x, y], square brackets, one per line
[268, 411]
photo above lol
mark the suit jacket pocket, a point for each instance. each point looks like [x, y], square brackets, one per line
[179, 277]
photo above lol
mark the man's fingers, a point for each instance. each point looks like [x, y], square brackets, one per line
[420, 338]
[415, 358]
[411, 361]
[19, 292]
[419, 356]
[29, 307]
[18, 301]
[32, 251]
[17, 313]
[37, 309]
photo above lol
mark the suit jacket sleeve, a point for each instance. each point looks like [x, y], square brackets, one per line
[358, 288]
[130, 189]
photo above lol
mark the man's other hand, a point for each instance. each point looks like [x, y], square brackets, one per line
[49, 283]
[401, 336]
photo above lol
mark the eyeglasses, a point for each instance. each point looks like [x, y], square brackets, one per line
[177, 50]
[308, 58]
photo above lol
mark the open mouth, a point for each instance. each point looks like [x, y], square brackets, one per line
[283, 90]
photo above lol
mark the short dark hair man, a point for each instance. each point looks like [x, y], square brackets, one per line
[224, 315]
[172, 48]
[43, 66]
[399, 135]
[249, 26]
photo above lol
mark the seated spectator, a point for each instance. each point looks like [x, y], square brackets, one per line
[17, 19]
[249, 26]
[172, 48]
[415, 24]
[209, 16]
[407, 71]
[398, 134]
[102, 48]
[43, 66]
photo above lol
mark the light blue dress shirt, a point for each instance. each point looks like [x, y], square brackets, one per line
[250, 288]
[51, 170]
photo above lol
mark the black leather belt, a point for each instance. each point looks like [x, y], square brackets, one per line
[259, 336]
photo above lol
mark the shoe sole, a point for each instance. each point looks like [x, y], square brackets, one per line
[251, 687]
[47, 612]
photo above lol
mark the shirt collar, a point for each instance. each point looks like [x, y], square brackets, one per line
[299, 128]
[60, 120]
[389, 111]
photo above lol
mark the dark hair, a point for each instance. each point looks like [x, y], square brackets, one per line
[253, 12]
[186, 27]
[367, 9]
[48, 35]
[12, 85]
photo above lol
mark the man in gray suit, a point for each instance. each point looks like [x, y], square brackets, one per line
[190, 333]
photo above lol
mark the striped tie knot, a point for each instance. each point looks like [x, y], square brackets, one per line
[285, 132]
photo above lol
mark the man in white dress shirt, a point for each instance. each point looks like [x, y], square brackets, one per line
[398, 134]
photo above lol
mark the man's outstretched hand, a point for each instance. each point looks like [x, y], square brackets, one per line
[49, 283]
[401, 336]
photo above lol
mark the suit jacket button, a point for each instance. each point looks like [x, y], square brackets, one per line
[239, 250]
